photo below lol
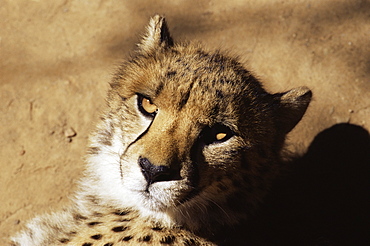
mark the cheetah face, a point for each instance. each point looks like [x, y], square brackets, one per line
[189, 132]
[179, 151]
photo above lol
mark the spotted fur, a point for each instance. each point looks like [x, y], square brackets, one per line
[202, 162]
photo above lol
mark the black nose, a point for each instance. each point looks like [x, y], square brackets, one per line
[153, 173]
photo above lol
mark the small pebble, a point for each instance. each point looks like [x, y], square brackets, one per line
[70, 132]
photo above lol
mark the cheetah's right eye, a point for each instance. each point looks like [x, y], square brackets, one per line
[146, 106]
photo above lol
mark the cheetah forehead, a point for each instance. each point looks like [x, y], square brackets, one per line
[188, 76]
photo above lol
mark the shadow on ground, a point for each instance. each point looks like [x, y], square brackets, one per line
[325, 198]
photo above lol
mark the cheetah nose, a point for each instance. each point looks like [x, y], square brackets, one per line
[153, 173]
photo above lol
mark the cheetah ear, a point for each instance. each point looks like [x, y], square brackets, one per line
[157, 35]
[292, 106]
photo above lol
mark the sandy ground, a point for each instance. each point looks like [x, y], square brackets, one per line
[58, 56]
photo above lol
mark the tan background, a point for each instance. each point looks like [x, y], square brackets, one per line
[56, 58]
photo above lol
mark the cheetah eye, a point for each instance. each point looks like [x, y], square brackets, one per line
[146, 106]
[221, 135]
[216, 134]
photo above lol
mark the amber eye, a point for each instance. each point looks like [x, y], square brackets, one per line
[216, 133]
[146, 106]
[221, 135]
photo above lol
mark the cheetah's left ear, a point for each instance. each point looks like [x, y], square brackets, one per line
[157, 35]
[292, 106]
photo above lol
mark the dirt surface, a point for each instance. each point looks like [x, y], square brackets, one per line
[58, 56]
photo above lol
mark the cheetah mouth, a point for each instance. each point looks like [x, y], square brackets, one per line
[166, 194]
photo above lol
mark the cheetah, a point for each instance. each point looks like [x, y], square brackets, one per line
[187, 148]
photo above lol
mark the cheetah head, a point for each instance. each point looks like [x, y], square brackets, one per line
[189, 136]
